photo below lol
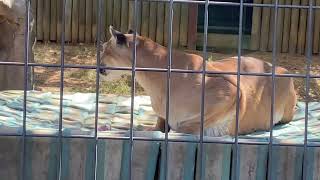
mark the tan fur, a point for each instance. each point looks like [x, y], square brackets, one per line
[6, 14]
[220, 90]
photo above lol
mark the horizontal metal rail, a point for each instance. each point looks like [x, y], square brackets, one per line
[207, 72]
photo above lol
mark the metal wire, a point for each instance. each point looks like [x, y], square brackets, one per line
[203, 87]
[139, 69]
[309, 59]
[217, 140]
[224, 3]
[169, 70]
[60, 147]
[96, 117]
[26, 61]
[235, 153]
[133, 84]
[274, 56]
[169, 63]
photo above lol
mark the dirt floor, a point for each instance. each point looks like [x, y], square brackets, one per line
[80, 80]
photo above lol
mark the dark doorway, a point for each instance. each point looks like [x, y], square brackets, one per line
[225, 19]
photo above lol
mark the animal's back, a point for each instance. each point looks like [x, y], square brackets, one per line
[256, 93]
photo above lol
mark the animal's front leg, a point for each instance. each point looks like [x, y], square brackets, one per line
[160, 126]
[189, 127]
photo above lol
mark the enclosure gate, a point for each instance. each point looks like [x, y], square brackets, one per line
[169, 70]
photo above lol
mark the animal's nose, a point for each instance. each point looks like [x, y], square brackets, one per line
[103, 71]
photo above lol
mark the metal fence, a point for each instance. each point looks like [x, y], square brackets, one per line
[169, 70]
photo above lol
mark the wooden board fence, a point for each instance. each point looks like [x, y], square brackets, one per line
[81, 20]
[153, 20]
[291, 27]
[316, 32]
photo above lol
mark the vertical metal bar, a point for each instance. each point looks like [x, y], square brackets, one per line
[235, 154]
[24, 119]
[274, 56]
[309, 60]
[96, 117]
[61, 90]
[203, 86]
[168, 88]
[133, 82]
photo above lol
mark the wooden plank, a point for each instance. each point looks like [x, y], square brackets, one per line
[139, 17]
[59, 20]
[41, 153]
[294, 28]
[270, 39]
[160, 22]
[34, 8]
[302, 28]
[53, 21]
[10, 150]
[280, 25]
[109, 16]
[166, 24]
[217, 164]
[117, 14]
[75, 21]
[181, 161]
[131, 15]
[316, 31]
[253, 164]
[46, 20]
[183, 37]
[94, 20]
[265, 26]
[124, 15]
[82, 20]
[68, 10]
[103, 21]
[286, 28]
[34, 13]
[192, 26]
[145, 18]
[313, 163]
[176, 24]
[153, 21]
[256, 26]
[40, 20]
[286, 162]
[88, 21]
[80, 150]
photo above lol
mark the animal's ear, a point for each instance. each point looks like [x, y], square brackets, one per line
[121, 39]
[130, 31]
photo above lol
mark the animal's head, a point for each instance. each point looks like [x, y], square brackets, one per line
[117, 52]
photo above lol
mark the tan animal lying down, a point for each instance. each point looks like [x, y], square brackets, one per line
[220, 90]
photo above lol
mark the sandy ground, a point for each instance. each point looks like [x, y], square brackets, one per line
[80, 80]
